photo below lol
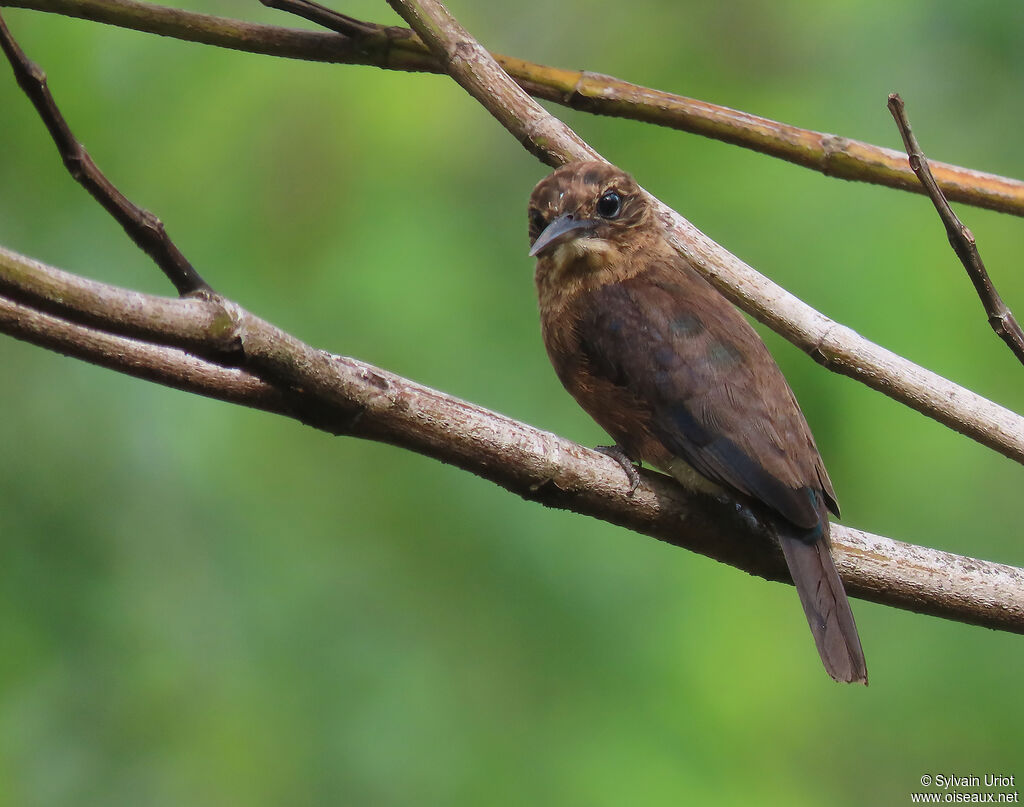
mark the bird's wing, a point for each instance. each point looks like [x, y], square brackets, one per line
[715, 395]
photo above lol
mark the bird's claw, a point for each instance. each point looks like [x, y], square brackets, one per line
[622, 458]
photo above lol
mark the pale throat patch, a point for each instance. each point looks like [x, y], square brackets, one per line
[592, 251]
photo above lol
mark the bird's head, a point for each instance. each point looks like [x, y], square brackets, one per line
[584, 215]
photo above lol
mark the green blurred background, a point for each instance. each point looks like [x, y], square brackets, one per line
[202, 604]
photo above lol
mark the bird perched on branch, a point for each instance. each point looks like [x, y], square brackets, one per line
[680, 380]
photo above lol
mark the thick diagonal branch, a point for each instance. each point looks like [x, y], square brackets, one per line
[395, 48]
[193, 344]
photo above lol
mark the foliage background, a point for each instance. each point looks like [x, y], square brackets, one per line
[206, 605]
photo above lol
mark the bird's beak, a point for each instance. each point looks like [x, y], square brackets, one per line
[562, 229]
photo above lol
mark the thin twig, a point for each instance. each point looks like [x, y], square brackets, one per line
[330, 19]
[145, 229]
[86, 319]
[960, 238]
[395, 48]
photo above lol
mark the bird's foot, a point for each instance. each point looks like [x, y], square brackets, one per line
[622, 458]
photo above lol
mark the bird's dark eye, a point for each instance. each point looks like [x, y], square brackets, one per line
[609, 205]
[537, 221]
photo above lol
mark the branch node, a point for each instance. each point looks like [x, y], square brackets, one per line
[461, 52]
[833, 147]
[228, 328]
[817, 350]
[376, 379]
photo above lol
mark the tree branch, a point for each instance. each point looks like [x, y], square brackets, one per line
[87, 319]
[396, 48]
[835, 346]
[213, 347]
[145, 229]
[960, 238]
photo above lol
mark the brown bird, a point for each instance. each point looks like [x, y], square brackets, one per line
[680, 380]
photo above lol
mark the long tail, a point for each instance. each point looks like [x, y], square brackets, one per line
[828, 610]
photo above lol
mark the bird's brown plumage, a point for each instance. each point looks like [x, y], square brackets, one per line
[679, 379]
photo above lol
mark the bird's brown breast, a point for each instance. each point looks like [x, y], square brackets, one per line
[673, 371]
[615, 408]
